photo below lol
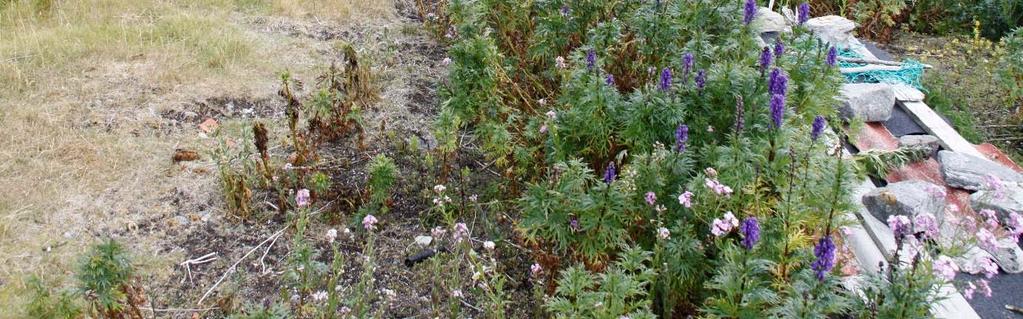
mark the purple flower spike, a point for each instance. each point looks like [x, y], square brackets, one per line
[666, 79]
[749, 11]
[750, 232]
[825, 253]
[610, 79]
[701, 80]
[818, 127]
[804, 12]
[609, 173]
[778, 82]
[777, 109]
[779, 49]
[591, 59]
[687, 65]
[681, 137]
[832, 58]
[564, 11]
[765, 59]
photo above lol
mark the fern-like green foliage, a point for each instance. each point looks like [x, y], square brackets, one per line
[47, 303]
[103, 274]
[810, 298]
[878, 163]
[382, 175]
[740, 288]
[619, 292]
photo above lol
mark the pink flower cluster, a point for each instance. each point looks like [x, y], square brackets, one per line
[981, 286]
[663, 233]
[369, 222]
[724, 225]
[686, 199]
[302, 198]
[926, 223]
[717, 187]
[945, 268]
[899, 224]
[460, 233]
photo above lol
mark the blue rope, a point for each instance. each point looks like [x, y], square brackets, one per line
[909, 73]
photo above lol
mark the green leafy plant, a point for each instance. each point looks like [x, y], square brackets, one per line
[106, 279]
[620, 291]
[1011, 66]
[47, 303]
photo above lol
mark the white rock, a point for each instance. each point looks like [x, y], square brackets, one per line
[790, 17]
[832, 29]
[423, 241]
[1008, 199]
[769, 21]
[871, 102]
[1008, 256]
[969, 172]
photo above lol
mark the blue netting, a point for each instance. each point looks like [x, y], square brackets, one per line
[909, 73]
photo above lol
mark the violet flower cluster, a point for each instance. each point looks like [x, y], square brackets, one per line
[825, 253]
[665, 79]
[610, 173]
[681, 137]
[817, 128]
[750, 232]
[749, 11]
[804, 12]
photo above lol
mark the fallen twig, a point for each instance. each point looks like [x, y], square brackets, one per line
[196, 261]
[179, 309]
[235, 265]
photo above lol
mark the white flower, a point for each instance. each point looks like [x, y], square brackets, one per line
[319, 295]
[488, 245]
[457, 293]
[663, 233]
[446, 61]
[331, 235]
[551, 114]
[439, 188]
[560, 62]
[535, 269]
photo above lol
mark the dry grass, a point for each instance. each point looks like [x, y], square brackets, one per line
[86, 153]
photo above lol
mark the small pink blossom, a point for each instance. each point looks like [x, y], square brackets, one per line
[945, 268]
[984, 288]
[552, 115]
[987, 240]
[535, 269]
[1015, 223]
[460, 233]
[988, 267]
[489, 245]
[651, 198]
[369, 222]
[445, 62]
[663, 233]
[994, 184]
[543, 129]
[717, 187]
[542, 102]
[899, 225]
[724, 225]
[686, 199]
[560, 62]
[457, 293]
[926, 223]
[438, 232]
[302, 198]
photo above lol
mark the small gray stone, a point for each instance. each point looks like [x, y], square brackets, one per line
[871, 102]
[769, 21]
[832, 29]
[907, 198]
[928, 141]
[179, 221]
[1008, 256]
[1003, 201]
[969, 172]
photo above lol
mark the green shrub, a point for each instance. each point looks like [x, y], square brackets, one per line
[46, 303]
[1011, 67]
[105, 278]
